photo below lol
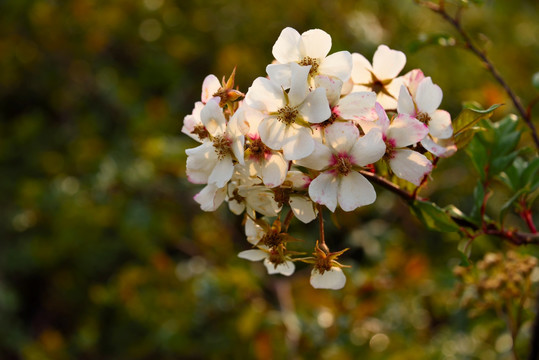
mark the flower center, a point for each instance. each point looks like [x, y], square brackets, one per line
[377, 86]
[334, 116]
[287, 114]
[423, 117]
[201, 132]
[258, 149]
[281, 195]
[272, 239]
[315, 63]
[343, 165]
[322, 264]
[390, 148]
[275, 258]
[222, 146]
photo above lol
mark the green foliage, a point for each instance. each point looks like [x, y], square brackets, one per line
[465, 124]
[433, 217]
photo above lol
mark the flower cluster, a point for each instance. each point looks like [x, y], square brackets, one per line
[301, 137]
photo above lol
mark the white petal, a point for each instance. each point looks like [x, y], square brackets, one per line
[298, 143]
[213, 118]
[272, 132]
[298, 84]
[286, 48]
[405, 103]
[341, 137]
[211, 197]
[406, 130]
[333, 88]
[355, 191]
[428, 96]
[299, 180]
[410, 165]
[440, 124]
[318, 159]
[389, 102]
[287, 268]
[387, 63]
[412, 80]
[383, 120]
[209, 87]
[315, 109]
[265, 95]
[274, 170]
[361, 70]
[280, 74]
[303, 208]
[253, 255]
[338, 65]
[369, 148]
[333, 279]
[442, 148]
[315, 44]
[192, 120]
[200, 163]
[253, 231]
[356, 105]
[222, 172]
[323, 190]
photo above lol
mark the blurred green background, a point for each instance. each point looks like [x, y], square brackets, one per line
[103, 252]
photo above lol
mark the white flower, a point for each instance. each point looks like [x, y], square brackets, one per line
[286, 125]
[211, 197]
[308, 49]
[333, 279]
[213, 161]
[381, 76]
[423, 106]
[340, 183]
[404, 131]
[210, 87]
[275, 263]
[440, 147]
[193, 126]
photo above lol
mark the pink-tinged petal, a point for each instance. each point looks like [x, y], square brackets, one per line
[387, 63]
[338, 65]
[361, 70]
[222, 172]
[262, 201]
[253, 255]
[318, 159]
[369, 148]
[211, 197]
[287, 268]
[213, 119]
[428, 96]
[315, 109]
[332, 279]
[412, 80]
[383, 120]
[191, 121]
[367, 125]
[323, 190]
[286, 48]
[299, 180]
[302, 208]
[315, 44]
[355, 191]
[341, 137]
[347, 87]
[406, 130]
[252, 119]
[280, 74]
[265, 95]
[272, 132]
[410, 165]
[440, 124]
[274, 170]
[333, 88]
[405, 103]
[356, 105]
[209, 87]
[298, 84]
[298, 143]
[442, 148]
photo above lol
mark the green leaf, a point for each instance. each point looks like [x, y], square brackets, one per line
[501, 163]
[478, 197]
[455, 212]
[509, 203]
[535, 80]
[433, 217]
[479, 157]
[464, 125]
[530, 172]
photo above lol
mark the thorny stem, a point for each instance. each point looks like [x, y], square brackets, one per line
[455, 22]
[515, 237]
[322, 241]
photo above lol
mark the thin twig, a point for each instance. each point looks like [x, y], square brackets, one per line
[455, 22]
[322, 241]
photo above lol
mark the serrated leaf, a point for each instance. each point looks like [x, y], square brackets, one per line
[464, 125]
[509, 203]
[433, 217]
